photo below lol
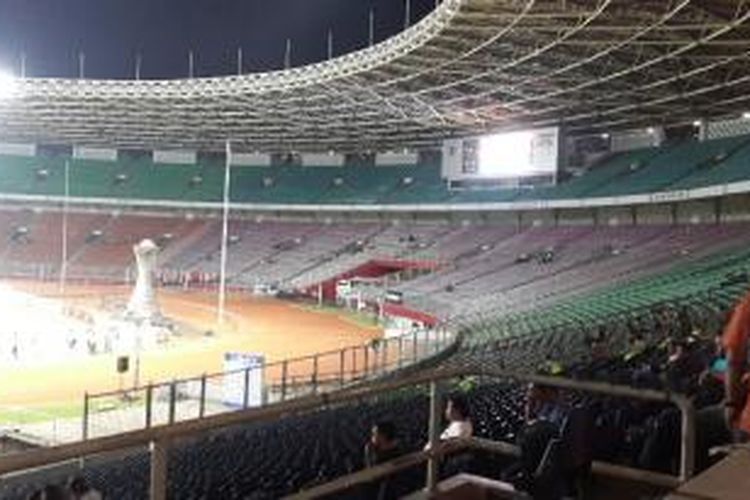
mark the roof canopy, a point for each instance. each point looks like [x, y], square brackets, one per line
[472, 66]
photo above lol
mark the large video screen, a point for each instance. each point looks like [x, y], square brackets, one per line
[517, 154]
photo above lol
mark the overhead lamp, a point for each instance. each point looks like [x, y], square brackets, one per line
[746, 115]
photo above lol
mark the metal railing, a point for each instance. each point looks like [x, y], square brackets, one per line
[162, 403]
[158, 438]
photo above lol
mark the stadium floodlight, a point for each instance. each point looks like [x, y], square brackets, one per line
[697, 123]
[8, 85]
[746, 115]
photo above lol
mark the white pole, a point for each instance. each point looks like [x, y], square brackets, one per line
[239, 61]
[407, 14]
[81, 65]
[23, 64]
[372, 27]
[64, 250]
[138, 62]
[224, 234]
[191, 64]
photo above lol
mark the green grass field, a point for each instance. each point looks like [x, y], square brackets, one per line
[12, 415]
[354, 317]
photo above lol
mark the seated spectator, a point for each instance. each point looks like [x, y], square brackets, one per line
[457, 414]
[718, 362]
[543, 403]
[80, 490]
[551, 366]
[51, 492]
[532, 441]
[636, 346]
[685, 364]
[598, 346]
[383, 445]
[459, 422]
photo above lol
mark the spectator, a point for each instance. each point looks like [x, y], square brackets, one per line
[543, 403]
[544, 416]
[80, 490]
[383, 445]
[636, 346]
[457, 414]
[459, 422]
[717, 362]
[598, 346]
[551, 366]
[735, 339]
[51, 492]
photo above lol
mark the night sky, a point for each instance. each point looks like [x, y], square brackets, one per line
[112, 32]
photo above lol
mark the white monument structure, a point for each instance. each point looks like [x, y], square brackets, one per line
[142, 305]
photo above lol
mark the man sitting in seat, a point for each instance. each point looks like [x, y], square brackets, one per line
[544, 403]
[382, 447]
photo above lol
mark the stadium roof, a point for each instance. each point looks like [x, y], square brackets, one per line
[471, 66]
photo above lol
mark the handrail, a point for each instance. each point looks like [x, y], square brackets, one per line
[410, 460]
[266, 383]
[167, 433]
[279, 363]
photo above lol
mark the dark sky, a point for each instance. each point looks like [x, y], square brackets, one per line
[112, 32]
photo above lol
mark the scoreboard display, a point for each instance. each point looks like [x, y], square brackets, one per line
[512, 155]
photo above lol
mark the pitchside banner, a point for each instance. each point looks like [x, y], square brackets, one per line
[236, 363]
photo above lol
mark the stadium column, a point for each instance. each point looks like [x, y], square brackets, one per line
[687, 451]
[434, 436]
[158, 483]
